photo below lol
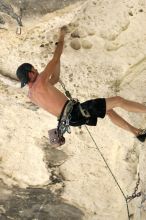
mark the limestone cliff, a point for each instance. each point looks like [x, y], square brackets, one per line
[104, 55]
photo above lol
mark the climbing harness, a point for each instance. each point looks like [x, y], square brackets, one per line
[63, 120]
[84, 112]
[56, 138]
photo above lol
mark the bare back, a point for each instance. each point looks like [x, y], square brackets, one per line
[47, 96]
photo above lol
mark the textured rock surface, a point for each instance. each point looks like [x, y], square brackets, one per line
[35, 203]
[114, 65]
[30, 9]
[75, 44]
[86, 44]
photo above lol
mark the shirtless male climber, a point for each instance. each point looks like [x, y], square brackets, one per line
[43, 93]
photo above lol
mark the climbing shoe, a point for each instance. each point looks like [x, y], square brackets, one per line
[142, 136]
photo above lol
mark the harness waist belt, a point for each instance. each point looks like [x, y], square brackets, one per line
[67, 109]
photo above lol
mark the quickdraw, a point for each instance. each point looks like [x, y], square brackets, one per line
[56, 138]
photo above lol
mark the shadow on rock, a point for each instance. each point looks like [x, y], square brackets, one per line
[26, 8]
[38, 204]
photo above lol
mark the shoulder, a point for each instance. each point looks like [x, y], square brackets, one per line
[43, 82]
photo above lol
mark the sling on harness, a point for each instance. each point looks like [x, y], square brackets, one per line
[56, 135]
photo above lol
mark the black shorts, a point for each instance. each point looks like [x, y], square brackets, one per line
[95, 107]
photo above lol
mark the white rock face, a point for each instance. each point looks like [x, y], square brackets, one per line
[114, 65]
[86, 44]
[75, 44]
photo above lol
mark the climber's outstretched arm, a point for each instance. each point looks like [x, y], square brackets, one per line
[50, 70]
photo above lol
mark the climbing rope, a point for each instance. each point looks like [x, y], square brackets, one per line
[110, 172]
[67, 93]
[127, 199]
